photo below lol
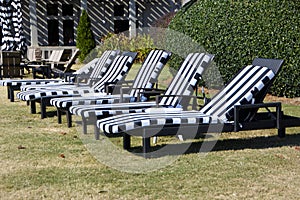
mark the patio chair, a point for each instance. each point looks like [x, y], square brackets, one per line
[233, 109]
[88, 74]
[32, 56]
[178, 93]
[145, 79]
[116, 72]
[45, 66]
[58, 69]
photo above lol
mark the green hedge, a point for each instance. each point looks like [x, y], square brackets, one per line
[141, 44]
[237, 31]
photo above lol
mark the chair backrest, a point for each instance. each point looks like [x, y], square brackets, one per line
[186, 80]
[274, 65]
[116, 72]
[71, 61]
[249, 86]
[88, 68]
[55, 55]
[34, 54]
[103, 63]
[149, 71]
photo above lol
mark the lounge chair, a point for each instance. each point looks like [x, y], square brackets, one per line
[145, 79]
[234, 108]
[178, 93]
[115, 73]
[89, 73]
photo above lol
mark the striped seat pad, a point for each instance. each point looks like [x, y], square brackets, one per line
[92, 99]
[110, 109]
[116, 72]
[10, 82]
[243, 89]
[99, 66]
[127, 122]
[39, 93]
[145, 78]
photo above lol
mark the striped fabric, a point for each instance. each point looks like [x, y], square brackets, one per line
[145, 78]
[243, 89]
[183, 83]
[186, 80]
[115, 73]
[13, 38]
[12, 82]
[99, 66]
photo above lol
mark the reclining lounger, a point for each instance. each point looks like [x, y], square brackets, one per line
[233, 109]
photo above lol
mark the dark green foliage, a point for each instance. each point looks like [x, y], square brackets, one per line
[85, 39]
[237, 31]
[142, 44]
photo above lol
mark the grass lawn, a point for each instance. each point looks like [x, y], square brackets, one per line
[41, 159]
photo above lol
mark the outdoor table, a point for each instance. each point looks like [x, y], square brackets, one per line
[43, 68]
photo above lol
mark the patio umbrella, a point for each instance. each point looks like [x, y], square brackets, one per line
[13, 38]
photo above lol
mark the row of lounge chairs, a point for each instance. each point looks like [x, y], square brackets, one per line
[124, 108]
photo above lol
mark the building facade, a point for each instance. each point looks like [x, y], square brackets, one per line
[54, 22]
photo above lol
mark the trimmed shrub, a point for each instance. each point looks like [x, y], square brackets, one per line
[141, 44]
[237, 31]
[85, 38]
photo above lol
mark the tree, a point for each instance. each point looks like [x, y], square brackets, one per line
[85, 38]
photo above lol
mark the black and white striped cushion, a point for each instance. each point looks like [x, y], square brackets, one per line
[11, 82]
[146, 77]
[110, 109]
[127, 122]
[243, 89]
[185, 80]
[116, 72]
[149, 71]
[240, 90]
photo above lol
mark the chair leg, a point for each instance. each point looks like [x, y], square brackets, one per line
[8, 92]
[43, 108]
[11, 94]
[59, 113]
[32, 107]
[126, 141]
[146, 147]
[69, 119]
[281, 132]
[96, 132]
[84, 125]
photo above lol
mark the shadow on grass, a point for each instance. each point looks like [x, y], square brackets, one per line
[223, 145]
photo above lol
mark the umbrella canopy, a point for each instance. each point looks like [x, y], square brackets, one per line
[12, 35]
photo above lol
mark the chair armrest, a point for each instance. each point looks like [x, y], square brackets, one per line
[70, 77]
[255, 107]
[150, 92]
[193, 97]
